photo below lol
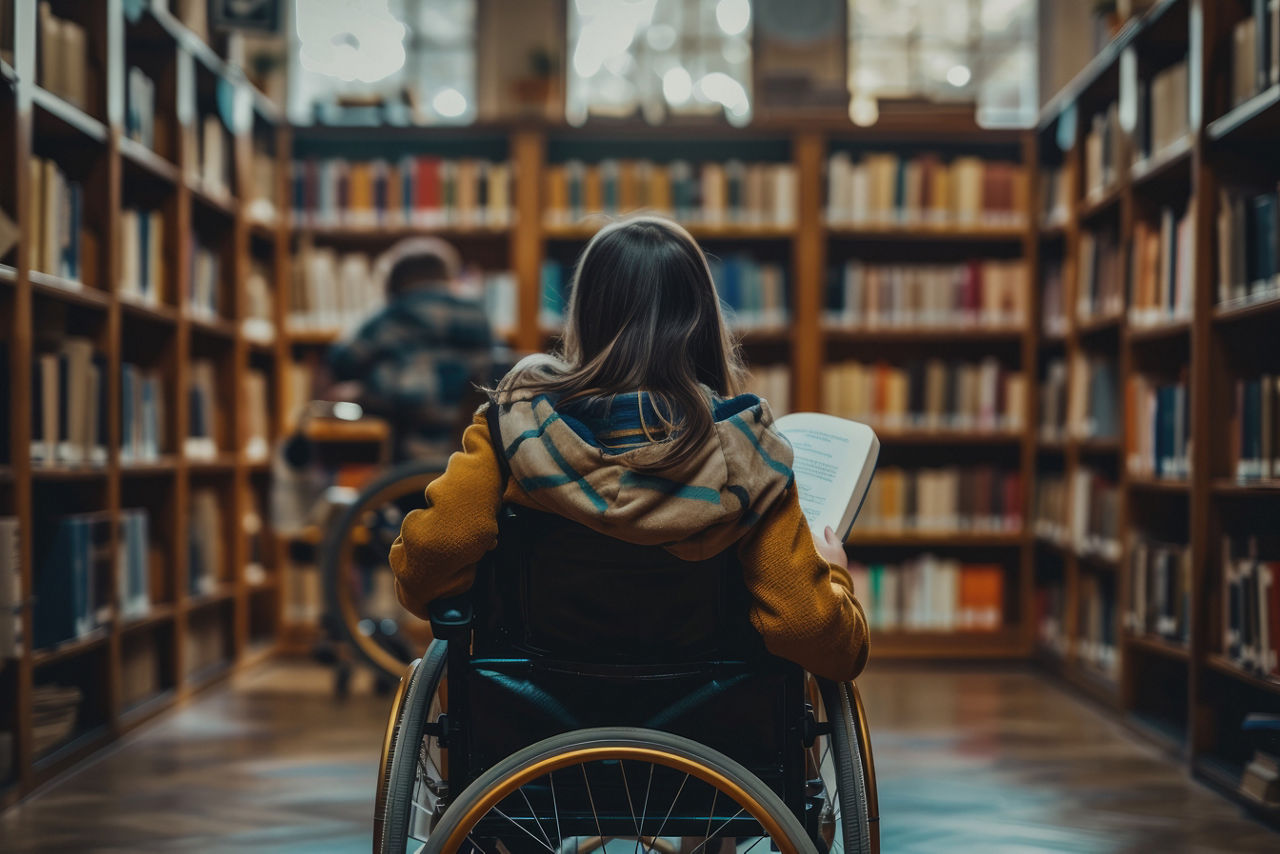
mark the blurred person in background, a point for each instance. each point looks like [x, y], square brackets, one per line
[418, 360]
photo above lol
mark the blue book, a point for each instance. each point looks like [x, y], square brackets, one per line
[144, 253]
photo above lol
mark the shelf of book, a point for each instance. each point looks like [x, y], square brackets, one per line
[1160, 332]
[1173, 486]
[929, 233]
[925, 334]
[931, 539]
[68, 119]
[67, 290]
[139, 156]
[1159, 646]
[70, 649]
[1257, 118]
[1227, 487]
[1227, 667]
[1264, 308]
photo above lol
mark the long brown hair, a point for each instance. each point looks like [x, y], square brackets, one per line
[643, 316]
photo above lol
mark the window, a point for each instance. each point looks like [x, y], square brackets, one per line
[658, 58]
[414, 59]
[945, 50]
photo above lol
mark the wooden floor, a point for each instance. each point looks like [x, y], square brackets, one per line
[969, 761]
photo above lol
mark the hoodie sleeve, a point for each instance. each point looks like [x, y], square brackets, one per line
[804, 607]
[437, 550]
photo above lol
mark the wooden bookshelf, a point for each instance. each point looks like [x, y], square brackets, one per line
[1190, 698]
[36, 121]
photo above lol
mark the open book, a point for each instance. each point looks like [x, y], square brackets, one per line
[834, 461]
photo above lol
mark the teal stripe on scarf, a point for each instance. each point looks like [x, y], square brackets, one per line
[673, 488]
[781, 468]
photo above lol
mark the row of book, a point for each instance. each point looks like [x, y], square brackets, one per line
[1081, 514]
[62, 61]
[944, 500]
[1103, 151]
[332, 292]
[142, 273]
[140, 676]
[257, 418]
[205, 542]
[1053, 300]
[1053, 402]
[1164, 111]
[1157, 428]
[1159, 590]
[1095, 641]
[142, 413]
[11, 630]
[1055, 195]
[204, 439]
[1255, 437]
[1251, 604]
[1101, 276]
[933, 394]
[420, 191]
[258, 323]
[886, 189]
[1049, 509]
[979, 293]
[260, 205]
[209, 157]
[930, 593]
[57, 237]
[1163, 277]
[140, 108]
[1248, 248]
[772, 383]
[704, 194]
[1079, 403]
[204, 280]
[69, 405]
[1255, 51]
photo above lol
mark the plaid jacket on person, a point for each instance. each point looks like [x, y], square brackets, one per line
[417, 360]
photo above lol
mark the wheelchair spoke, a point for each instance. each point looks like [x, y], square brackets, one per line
[525, 830]
[759, 839]
[555, 807]
[672, 808]
[478, 846]
[592, 800]
[622, 769]
[722, 826]
[534, 814]
[715, 794]
[644, 810]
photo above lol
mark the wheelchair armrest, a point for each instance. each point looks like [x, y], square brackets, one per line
[450, 618]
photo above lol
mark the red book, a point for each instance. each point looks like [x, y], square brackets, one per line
[427, 190]
[1013, 500]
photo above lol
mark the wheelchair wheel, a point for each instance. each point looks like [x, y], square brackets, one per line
[358, 585]
[411, 781]
[843, 760]
[584, 788]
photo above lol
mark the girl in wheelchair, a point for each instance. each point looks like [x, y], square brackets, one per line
[643, 560]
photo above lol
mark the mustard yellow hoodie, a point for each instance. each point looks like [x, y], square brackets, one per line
[737, 493]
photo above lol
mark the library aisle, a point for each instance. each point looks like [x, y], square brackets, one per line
[970, 761]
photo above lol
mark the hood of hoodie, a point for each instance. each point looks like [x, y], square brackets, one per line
[579, 462]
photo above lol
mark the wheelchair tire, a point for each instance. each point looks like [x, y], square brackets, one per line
[859, 810]
[609, 744]
[335, 554]
[394, 804]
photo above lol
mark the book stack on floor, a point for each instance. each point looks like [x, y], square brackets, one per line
[204, 439]
[69, 406]
[1096, 636]
[1161, 288]
[1255, 51]
[74, 594]
[942, 500]
[930, 593]
[203, 281]
[134, 563]
[1101, 276]
[63, 53]
[707, 194]
[1095, 515]
[425, 191]
[1053, 402]
[1163, 112]
[934, 394]
[58, 241]
[1255, 446]
[1050, 510]
[142, 256]
[140, 108]
[1159, 590]
[12, 640]
[889, 189]
[1157, 428]
[332, 292]
[1103, 152]
[1093, 398]
[142, 411]
[981, 293]
[1251, 603]
[205, 542]
[1261, 780]
[1248, 256]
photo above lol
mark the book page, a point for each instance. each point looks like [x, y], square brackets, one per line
[818, 455]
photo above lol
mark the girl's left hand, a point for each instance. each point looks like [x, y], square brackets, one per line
[830, 548]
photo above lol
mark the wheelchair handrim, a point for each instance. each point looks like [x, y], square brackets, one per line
[609, 752]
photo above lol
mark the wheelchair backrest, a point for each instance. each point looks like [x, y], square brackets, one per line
[557, 589]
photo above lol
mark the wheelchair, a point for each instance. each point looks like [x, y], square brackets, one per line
[592, 695]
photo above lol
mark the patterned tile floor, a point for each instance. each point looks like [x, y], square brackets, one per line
[983, 761]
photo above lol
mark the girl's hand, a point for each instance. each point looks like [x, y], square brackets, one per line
[830, 548]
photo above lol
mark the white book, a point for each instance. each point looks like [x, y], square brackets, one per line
[834, 461]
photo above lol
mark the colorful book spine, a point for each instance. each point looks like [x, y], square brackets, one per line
[977, 294]
[932, 594]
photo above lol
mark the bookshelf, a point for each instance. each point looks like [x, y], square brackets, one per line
[1195, 329]
[153, 639]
